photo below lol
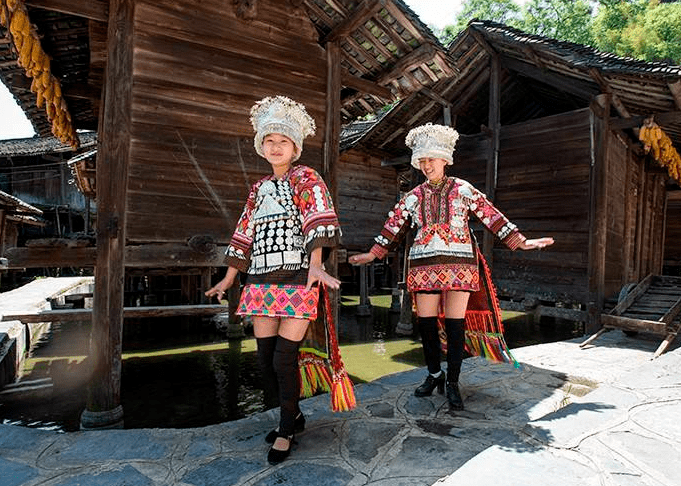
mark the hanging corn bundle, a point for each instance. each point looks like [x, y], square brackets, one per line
[36, 63]
[659, 145]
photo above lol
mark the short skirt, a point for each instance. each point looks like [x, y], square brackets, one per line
[459, 276]
[278, 300]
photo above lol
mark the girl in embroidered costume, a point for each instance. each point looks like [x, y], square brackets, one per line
[287, 220]
[447, 273]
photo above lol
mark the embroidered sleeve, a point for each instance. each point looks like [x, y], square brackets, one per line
[320, 222]
[494, 220]
[238, 253]
[395, 226]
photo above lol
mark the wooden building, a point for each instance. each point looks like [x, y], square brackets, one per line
[37, 171]
[550, 132]
[168, 86]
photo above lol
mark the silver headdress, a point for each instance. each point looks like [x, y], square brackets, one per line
[435, 141]
[280, 114]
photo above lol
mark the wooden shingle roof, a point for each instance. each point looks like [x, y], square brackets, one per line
[539, 77]
[387, 53]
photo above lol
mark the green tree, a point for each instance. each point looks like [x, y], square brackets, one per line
[559, 19]
[502, 11]
[647, 30]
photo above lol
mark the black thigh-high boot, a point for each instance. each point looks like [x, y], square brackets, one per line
[286, 368]
[455, 347]
[266, 348]
[431, 351]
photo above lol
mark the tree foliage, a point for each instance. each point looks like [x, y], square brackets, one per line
[645, 29]
[558, 19]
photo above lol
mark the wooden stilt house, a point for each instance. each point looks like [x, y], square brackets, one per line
[168, 86]
[550, 131]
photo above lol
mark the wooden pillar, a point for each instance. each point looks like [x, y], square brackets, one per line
[598, 210]
[103, 405]
[331, 150]
[494, 120]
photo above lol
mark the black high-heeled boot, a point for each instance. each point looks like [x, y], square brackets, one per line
[455, 350]
[453, 396]
[427, 387]
[431, 352]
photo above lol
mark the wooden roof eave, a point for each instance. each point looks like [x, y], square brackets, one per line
[89, 9]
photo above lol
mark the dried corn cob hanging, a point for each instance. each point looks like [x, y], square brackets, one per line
[36, 63]
[659, 145]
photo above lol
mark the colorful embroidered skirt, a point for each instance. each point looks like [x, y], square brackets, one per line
[277, 300]
[459, 276]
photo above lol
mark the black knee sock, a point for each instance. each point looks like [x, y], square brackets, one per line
[455, 341]
[266, 348]
[286, 368]
[431, 343]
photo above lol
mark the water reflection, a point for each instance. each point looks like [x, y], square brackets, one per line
[178, 374]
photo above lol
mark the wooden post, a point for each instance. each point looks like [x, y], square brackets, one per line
[494, 120]
[598, 211]
[331, 150]
[103, 404]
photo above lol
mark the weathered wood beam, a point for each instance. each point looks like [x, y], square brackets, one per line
[331, 159]
[661, 119]
[598, 212]
[418, 56]
[480, 39]
[364, 11]
[103, 404]
[532, 54]
[492, 171]
[399, 15]
[606, 88]
[630, 324]
[365, 86]
[572, 86]
[139, 256]
[675, 89]
[62, 315]
[89, 9]
[436, 97]
[634, 294]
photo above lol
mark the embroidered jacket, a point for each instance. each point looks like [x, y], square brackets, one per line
[441, 216]
[282, 222]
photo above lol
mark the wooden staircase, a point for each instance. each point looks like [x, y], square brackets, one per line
[653, 306]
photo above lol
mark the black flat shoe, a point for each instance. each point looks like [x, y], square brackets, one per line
[275, 456]
[426, 389]
[298, 426]
[454, 397]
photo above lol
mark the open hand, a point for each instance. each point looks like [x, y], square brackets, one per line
[361, 258]
[317, 274]
[537, 243]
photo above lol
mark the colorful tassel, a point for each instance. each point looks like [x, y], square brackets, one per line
[320, 372]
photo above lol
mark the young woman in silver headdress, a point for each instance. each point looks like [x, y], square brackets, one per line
[444, 261]
[287, 220]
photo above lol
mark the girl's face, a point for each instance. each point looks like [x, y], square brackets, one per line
[433, 168]
[278, 149]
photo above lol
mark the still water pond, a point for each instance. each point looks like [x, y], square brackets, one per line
[179, 374]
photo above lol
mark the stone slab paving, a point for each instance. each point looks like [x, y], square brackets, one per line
[605, 415]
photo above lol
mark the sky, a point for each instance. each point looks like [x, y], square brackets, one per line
[13, 123]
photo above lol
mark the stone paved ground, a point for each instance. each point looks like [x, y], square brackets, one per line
[603, 415]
